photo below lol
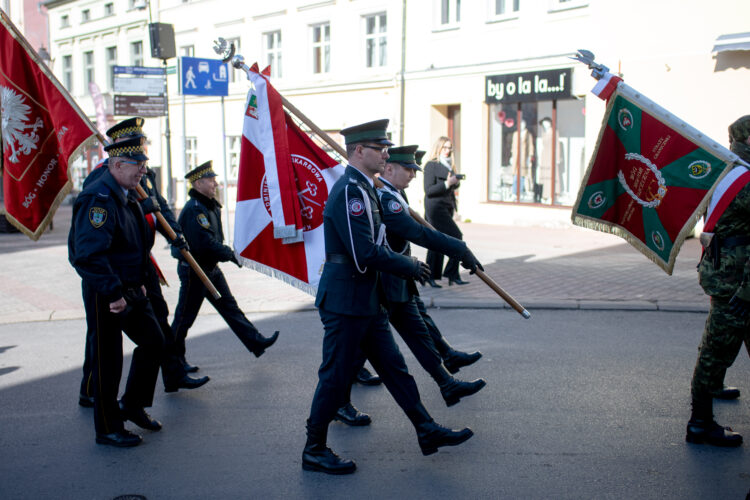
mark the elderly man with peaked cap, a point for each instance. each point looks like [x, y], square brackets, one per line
[724, 273]
[201, 220]
[108, 246]
[350, 304]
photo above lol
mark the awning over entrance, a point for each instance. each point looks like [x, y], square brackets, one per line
[733, 41]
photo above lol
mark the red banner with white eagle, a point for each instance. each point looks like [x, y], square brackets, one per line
[42, 133]
[314, 172]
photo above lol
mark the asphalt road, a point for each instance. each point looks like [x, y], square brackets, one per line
[579, 404]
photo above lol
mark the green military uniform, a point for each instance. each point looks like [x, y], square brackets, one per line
[724, 273]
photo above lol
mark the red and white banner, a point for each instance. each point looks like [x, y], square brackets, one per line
[606, 86]
[314, 173]
[42, 132]
[264, 128]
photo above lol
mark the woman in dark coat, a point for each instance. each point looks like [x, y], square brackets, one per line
[440, 184]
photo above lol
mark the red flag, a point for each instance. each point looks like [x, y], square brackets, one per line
[42, 132]
[314, 173]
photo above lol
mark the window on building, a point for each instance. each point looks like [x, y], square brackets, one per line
[187, 51]
[567, 4]
[233, 155]
[88, 68]
[449, 13]
[111, 63]
[109, 9]
[67, 72]
[191, 153]
[65, 21]
[85, 15]
[506, 7]
[272, 52]
[375, 40]
[131, 4]
[234, 75]
[321, 45]
[136, 53]
[545, 161]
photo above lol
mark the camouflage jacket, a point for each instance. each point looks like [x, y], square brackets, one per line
[733, 271]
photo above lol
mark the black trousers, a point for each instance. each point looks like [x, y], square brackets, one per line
[442, 345]
[139, 323]
[441, 218]
[345, 341]
[171, 367]
[192, 293]
[410, 325]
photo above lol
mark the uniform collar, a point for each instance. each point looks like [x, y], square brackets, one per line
[115, 189]
[388, 184]
[209, 202]
[369, 181]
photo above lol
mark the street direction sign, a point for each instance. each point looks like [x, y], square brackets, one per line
[140, 80]
[205, 77]
[140, 105]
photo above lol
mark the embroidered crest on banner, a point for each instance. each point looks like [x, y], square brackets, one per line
[597, 199]
[356, 207]
[203, 221]
[395, 206]
[97, 216]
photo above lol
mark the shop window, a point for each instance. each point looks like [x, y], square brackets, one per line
[533, 159]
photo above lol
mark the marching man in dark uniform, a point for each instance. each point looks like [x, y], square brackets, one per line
[350, 303]
[174, 372]
[725, 276]
[201, 221]
[108, 246]
[405, 308]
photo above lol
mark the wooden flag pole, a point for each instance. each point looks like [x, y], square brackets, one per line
[337, 147]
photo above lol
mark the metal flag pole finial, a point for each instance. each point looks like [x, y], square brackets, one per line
[587, 57]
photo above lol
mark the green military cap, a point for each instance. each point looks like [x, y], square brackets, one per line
[201, 171]
[404, 156]
[419, 155]
[740, 130]
[367, 132]
[132, 127]
[133, 148]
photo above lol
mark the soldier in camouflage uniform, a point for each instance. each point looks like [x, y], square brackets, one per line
[724, 274]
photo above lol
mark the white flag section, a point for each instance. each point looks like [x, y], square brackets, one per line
[314, 172]
[265, 128]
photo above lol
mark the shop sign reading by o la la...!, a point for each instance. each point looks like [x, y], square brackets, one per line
[529, 87]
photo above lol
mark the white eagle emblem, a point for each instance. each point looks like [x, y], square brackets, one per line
[18, 134]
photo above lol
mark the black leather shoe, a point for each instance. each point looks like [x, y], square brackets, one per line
[349, 415]
[265, 343]
[85, 401]
[187, 366]
[432, 436]
[186, 382]
[457, 281]
[727, 393]
[433, 284]
[122, 439]
[140, 418]
[454, 390]
[455, 360]
[709, 432]
[364, 377]
[321, 459]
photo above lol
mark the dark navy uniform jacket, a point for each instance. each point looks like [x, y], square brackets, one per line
[148, 183]
[401, 229]
[200, 220]
[350, 283]
[108, 240]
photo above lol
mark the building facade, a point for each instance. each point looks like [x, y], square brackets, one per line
[493, 75]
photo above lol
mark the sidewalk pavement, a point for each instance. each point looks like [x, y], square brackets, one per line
[542, 268]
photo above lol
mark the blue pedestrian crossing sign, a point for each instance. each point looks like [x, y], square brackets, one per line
[203, 76]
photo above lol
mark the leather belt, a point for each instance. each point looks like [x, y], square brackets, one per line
[338, 258]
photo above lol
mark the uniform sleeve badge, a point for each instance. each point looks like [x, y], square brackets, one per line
[97, 217]
[356, 207]
[395, 206]
[203, 221]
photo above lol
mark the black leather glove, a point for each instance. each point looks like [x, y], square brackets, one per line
[421, 271]
[150, 204]
[235, 260]
[180, 243]
[468, 261]
[739, 307]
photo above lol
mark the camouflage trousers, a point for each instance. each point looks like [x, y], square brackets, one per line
[722, 339]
